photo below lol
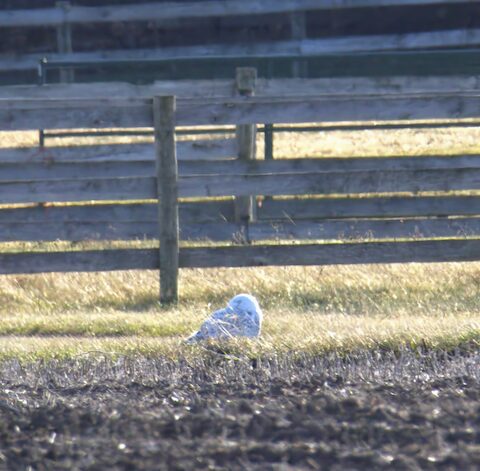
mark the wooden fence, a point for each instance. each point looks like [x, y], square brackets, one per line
[295, 47]
[342, 210]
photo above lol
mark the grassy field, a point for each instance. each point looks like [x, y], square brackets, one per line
[310, 309]
[307, 309]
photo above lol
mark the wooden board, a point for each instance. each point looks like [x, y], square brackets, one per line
[343, 230]
[328, 109]
[263, 87]
[244, 256]
[393, 206]
[290, 49]
[204, 149]
[176, 10]
[105, 167]
[190, 213]
[74, 114]
[429, 62]
[131, 188]
[331, 182]
[81, 113]
[267, 210]
[75, 170]
[181, 88]
[327, 164]
[332, 254]
[78, 190]
[85, 261]
[117, 230]
[346, 230]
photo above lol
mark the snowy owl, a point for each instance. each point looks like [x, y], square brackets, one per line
[241, 318]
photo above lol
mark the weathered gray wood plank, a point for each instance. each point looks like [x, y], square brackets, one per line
[332, 182]
[342, 230]
[227, 185]
[77, 231]
[244, 256]
[264, 87]
[394, 206]
[51, 169]
[85, 261]
[279, 49]
[365, 229]
[181, 88]
[204, 149]
[329, 109]
[327, 164]
[77, 190]
[332, 254]
[364, 85]
[63, 114]
[222, 211]
[189, 213]
[116, 230]
[176, 10]
[75, 170]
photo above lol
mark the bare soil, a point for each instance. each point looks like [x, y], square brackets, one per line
[377, 410]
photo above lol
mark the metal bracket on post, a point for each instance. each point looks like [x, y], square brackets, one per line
[245, 206]
[167, 189]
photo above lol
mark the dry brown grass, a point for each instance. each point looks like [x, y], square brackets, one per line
[306, 308]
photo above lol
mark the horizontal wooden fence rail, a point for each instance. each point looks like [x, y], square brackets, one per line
[332, 254]
[425, 62]
[245, 256]
[200, 149]
[321, 218]
[363, 210]
[271, 210]
[328, 109]
[193, 212]
[291, 49]
[126, 180]
[331, 183]
[99, 189]
[50, 169]
[282, 230]
[263, 87]
[294, 209]
[32, 114]
[338, 218]
[168, 11]
[292, 52]
[370, 229]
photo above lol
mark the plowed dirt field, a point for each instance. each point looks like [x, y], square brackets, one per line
[366, 411]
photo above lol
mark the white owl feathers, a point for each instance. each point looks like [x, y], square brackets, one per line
[241, 318]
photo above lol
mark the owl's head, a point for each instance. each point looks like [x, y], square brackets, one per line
[245, 305]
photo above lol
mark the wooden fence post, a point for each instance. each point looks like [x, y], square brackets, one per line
[64, 42]
[167, 189]
[245, 206]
